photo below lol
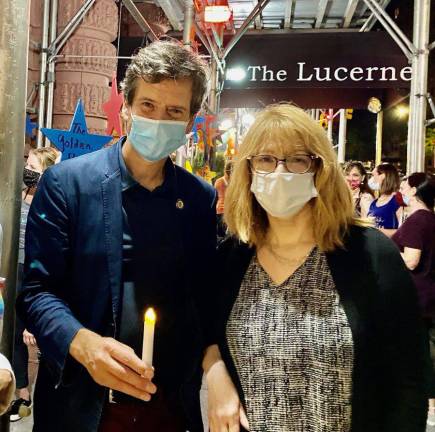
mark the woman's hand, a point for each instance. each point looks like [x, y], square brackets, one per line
[225, 412]
[28, 338]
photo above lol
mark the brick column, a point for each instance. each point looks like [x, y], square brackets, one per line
[85, 77]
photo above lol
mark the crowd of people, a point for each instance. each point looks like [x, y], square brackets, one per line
[303, 291]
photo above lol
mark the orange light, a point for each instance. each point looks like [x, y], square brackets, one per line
[217, 14]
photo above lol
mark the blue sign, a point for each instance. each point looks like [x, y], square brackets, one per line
[76, 141]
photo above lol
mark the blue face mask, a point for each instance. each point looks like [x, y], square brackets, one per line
[155, 140]
[406, 199]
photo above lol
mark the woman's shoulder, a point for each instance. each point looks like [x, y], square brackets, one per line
[422, 223]
[232, 244]
[368, 240]
[373, 204]
[234, 251]
[367, 194]
[423, 216]
[219, 182]
[367, 250]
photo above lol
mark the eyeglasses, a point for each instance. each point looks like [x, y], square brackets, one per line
[296, 164]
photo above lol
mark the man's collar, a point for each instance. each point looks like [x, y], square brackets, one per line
[127, 180]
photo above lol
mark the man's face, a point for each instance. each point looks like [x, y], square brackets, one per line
[165, 100]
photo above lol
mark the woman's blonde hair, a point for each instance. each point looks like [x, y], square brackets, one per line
[46, 156]
[285, 129]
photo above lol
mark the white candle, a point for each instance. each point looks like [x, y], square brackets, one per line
[148, 336]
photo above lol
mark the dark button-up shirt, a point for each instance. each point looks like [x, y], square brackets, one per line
[152, 271]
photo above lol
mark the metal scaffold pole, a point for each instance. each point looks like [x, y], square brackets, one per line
[51, 67]
[418, 94]
[188, 19]
[43, 72]
[342, 129]
[212, 101]
[330, 124]
[379, 131]
[14, 41]
[189, 16]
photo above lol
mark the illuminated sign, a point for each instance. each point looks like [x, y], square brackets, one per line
[317, 60]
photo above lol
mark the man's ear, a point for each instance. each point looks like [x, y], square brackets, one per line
[126, 118]
[125, 111]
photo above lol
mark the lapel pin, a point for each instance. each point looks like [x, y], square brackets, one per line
[179, 204]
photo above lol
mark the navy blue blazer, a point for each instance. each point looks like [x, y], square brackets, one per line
[72, 277]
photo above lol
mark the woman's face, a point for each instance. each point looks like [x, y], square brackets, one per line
[354, 178]
[33, 163]
[378, 178]
[406, 189]
[404, 185]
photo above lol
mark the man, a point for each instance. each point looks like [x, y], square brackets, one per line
[110, 234]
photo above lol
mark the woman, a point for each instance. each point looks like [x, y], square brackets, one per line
[37, 162]
[385, 209]
[403, 212]
[416, 241]
[317, 325]
[362, 195]
[7, 384]
[221, 186]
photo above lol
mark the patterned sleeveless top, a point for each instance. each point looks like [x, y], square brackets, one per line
[293, 350]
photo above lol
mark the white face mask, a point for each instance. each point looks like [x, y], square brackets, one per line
[373, 185]
[283, 194]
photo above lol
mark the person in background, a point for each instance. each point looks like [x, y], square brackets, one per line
[37, 162]
[384, 210]
[416, 241]
[221, 186]
[362, 195]
[1, 242]
[403, 212]
[317, 320]
[7, 377]
[7, 384]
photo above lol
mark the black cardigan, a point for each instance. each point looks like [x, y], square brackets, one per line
[380, 301]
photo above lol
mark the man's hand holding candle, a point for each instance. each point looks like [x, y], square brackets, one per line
[113, 364]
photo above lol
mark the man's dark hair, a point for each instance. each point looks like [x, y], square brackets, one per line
[162, 60]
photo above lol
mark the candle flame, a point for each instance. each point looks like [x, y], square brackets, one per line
[150, 316]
